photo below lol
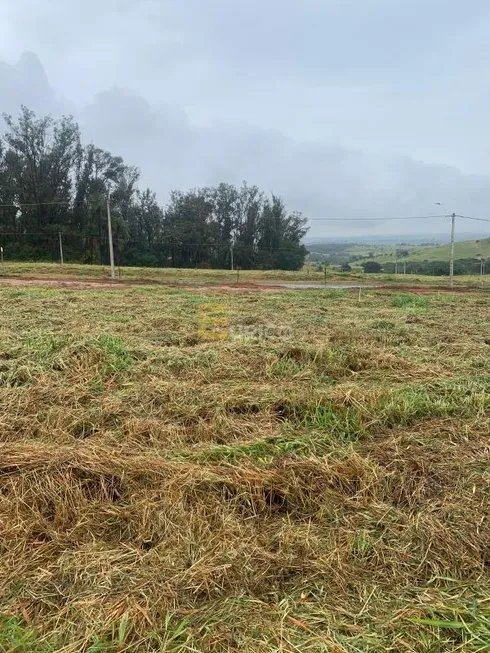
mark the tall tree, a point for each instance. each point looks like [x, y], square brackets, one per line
[52, 184]
[250, 201]
[145, 223]
[190, 235]
[41, 155]
[226, 202]
[279, 244]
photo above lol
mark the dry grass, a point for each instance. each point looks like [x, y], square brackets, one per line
[208, 277]
[318, 484]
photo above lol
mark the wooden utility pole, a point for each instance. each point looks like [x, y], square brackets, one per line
[61, 248]
[231, 257]
[481, 260]
[451, 261]
[109, 229]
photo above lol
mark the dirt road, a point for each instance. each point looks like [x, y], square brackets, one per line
[75, 284]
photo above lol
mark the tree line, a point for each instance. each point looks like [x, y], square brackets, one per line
[462, 266]
[51, 184]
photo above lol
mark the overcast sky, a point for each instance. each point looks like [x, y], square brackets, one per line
[344, 107]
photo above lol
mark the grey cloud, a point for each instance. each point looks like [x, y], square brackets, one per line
[25, 82]
[374, 74]
[319, 179]
[312, 100]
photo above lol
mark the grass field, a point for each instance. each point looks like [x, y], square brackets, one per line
[279, 472]
[462, 249]
[465, 249]
[335, 252]
[175, 277]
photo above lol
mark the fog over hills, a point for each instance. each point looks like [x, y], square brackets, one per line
[318, 178]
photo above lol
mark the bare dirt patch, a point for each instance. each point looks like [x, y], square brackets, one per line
[63, 283]
[74, 284]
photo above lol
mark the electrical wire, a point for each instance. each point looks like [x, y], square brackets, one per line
[467, 217]
[60, 203]
[315, 219]
[379, 218]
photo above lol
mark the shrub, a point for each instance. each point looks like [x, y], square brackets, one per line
[371, 266]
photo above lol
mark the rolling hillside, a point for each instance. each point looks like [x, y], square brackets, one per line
[463, 249]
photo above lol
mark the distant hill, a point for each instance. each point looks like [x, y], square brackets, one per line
[406, 239]
[421, 255]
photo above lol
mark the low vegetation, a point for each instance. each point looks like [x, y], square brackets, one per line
[210, 471]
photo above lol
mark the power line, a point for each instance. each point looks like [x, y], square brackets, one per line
[467, 217]
[132, 241]
[178, 242]
[375, 218]
[19, 205]
[315, 219]
[379, 218]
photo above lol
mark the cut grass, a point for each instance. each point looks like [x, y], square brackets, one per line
[202, 278]
[320, 487]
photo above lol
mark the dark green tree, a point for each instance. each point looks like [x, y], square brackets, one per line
[249, 208]
[190, 236]
[225, 198]
[51, 184]
[371, 266]
[40, 155]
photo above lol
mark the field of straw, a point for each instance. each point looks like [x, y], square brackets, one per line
[277, 472]
[311, 274]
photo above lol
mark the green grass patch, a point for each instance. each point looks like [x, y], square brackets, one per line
[120, 360]
[410, 301]
[17, 637]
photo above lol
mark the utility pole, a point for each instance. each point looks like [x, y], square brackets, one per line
[451, 262]
[109, 229]
[231, 257]
[61, 248]
[1, 253]
[451, 257]
[404, 267]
